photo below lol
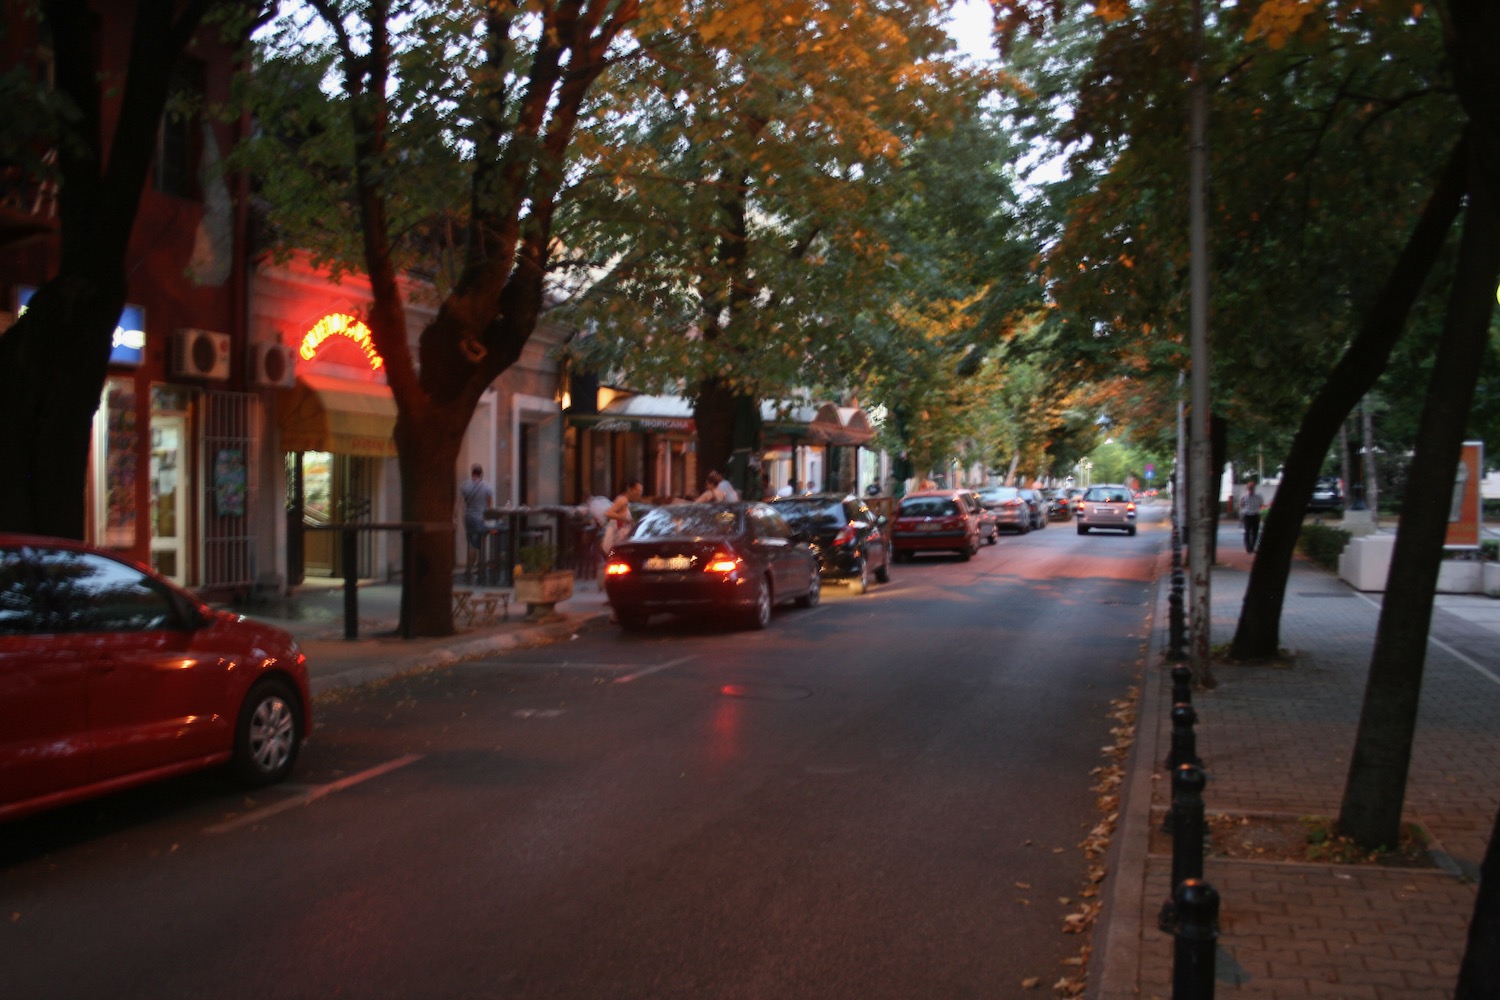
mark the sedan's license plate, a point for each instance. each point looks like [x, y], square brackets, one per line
[663, 563]
[929, 527]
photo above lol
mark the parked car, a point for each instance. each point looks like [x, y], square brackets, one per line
[740, 559]
[1037, 505]
[989, 523]
[1058, 508]
[935, 521]
[1327, 495]
[846, 535]
[112, 676]
[1108, 505]
[1011, 510]
[1074, 497]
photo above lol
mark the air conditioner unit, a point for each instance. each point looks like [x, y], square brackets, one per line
[273, 365]
[201, 354]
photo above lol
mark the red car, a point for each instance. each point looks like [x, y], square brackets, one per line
[935, 521]
[111, 677]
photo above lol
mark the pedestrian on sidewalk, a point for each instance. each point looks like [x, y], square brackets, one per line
[619, 519]
[477, 497]
[1250, 508]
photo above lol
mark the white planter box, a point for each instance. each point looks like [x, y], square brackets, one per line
[1459, 576]
[1491, 579]
[1366, 562]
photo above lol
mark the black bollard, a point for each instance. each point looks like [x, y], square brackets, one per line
[1184, 741]
[1197, 940]
[1176, 627]
[1185, 824]
[1182, 685]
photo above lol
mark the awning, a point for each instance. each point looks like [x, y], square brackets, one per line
[793, 422]
[339, 416]
[652, 414]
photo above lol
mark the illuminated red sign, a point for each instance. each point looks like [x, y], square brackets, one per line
[340, 325]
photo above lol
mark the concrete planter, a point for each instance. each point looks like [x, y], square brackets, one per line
[1460, 576]
[540, 591]
[1491, 578]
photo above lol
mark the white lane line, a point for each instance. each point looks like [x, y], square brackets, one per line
[1440, 644]
[312, 795]
[627, 678]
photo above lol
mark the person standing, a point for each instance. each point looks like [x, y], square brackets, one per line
[618, 519]
[720, 490]
[1250, 508]
[477, 497]
[789, 489]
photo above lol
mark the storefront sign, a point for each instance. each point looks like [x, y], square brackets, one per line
[1463, 515]
[340, 325]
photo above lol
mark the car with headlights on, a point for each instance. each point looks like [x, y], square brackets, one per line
[1107, 506]
[935, 521]
[112, 676]
[846, 534]
[736, 559]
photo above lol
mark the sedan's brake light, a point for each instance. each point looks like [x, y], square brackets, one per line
[721, 563]
[845, 537]
[616, 567]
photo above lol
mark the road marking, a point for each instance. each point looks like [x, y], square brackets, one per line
[1440, 644]
[627, 678]
[312, 795]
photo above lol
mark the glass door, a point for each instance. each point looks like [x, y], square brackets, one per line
[168, 495]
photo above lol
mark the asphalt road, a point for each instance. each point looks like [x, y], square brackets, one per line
[880, 797]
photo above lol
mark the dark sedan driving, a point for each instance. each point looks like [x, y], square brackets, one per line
[738, 558]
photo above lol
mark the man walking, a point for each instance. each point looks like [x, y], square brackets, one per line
[1250, 508]
[477, 497]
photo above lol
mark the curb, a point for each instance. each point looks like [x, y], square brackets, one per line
[470, 649]
[1119, 931]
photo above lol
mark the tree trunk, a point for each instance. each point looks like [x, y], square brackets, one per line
[52, 368]
[1480, 970]
[1376, 786]
[429, 496]
[1258, 633]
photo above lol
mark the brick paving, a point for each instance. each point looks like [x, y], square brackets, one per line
[1276, 741]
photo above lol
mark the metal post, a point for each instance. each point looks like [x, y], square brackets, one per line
[1184, 742]
[1187, 835]
[1197, 938]
[350, 550]
[1182, 685]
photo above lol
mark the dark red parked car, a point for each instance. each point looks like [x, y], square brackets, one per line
[111, 676]
[935, 521]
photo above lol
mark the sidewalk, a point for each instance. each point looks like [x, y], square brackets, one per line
[1275, 743]
[314, 615]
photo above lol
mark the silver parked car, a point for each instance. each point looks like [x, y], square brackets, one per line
[1109, 505]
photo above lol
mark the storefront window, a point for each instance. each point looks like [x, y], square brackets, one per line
[115, 496]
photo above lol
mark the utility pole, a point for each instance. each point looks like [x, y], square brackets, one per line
[1203, 496]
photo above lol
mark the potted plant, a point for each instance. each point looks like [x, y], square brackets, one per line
[538, 583]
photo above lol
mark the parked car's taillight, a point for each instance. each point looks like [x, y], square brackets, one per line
[721, 563]
[616, 567]
[845, 537]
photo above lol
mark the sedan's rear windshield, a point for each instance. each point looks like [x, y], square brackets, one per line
[688, 521]
[928, 507]
[812, 513]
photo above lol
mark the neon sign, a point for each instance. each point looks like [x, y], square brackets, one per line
[340, 325]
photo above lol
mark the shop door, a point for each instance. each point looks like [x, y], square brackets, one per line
[168, 495]
[337, 489]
